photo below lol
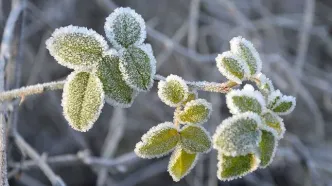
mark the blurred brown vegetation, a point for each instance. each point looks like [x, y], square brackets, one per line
[292, 36]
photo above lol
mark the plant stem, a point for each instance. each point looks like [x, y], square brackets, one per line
[31, 90]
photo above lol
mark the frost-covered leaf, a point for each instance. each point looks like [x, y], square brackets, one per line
[195, 112]
[238, 135]
[117, 92]
[232, 67]
[181, 163]
[82, 100]
[273, 98]
[275, 122]
[173, 91]
[124, 27]
[267, 147]
[192, 95]
[247, 99]
[247, 52]
[264, 84]
[76, 47]
[195, 139]
[158, 141]
[230, 168]
[284, 105]
[138, 66]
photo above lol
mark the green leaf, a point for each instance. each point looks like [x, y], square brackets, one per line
[173, 91]
[192, 95]
[232, 67]
[273, 98]
[247, 99]
[76, 47]
[158, 141]
[117, 92]
[195, 139]
[230, 168]
[138, 67]
[181, 163]
[124, 27]
[195, 112]
[238, 135]
[274, 122]
[82, 100]
[285, 105]
[264, 84]
[267, 147]
[247, 52]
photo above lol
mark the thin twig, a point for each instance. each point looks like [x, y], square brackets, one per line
[193, 24]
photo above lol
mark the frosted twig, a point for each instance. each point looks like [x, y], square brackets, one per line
[31, 90]
[54, 179]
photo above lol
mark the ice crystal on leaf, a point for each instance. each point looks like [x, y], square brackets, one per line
[195, 112]
[158, 141]
[82, 100]
[173, 91]
[267, 146]
[124, 27]
[181, 163]
[238, 135]
[275, 122]
[76, 47]
[195, 139]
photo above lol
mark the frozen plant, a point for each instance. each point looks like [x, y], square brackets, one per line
[245, 141]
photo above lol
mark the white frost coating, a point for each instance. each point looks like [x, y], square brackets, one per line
[207, 133]
[246, 91]
[248, 87]
[147, 136]
[69, 30]
[225, 72]
[272, 98]
[194, 103]
[275, 146]
[264, 126]
[235, 48]
[162, 84]
[257, 161]
[109, 29]
[175, 155]
[285, 98]
[65, 100]
[265, 80]
[249, 148]
[153, 63]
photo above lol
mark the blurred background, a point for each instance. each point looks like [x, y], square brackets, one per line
[293, 38]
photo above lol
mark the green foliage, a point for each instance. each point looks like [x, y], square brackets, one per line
[267, 147]
[195, 139]
[82, 100]
[192, 95]
[76, 47]
[230, 167]
[195, 112]
[274, 122]
[181, 163]
[173, 91]
[117, 92]
[158, 141]
[238, 135]
[124, 27]
[137, 66]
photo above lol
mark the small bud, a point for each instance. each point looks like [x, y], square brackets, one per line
[230, 168]
[173, 91]
[238, 135]
[76, 47]
[124, 27]
[195, 139]
[181, 163]
[192, 95]
[82, 100]
[232, 67]
[195, 112]
[138, 67]
[273, 98]
[267, 146]
[117, 92]
[239, 101]
[264, 84]
[247, 52]
[158, 141]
